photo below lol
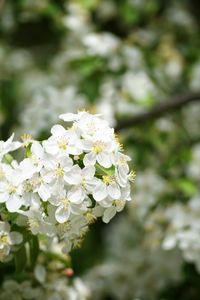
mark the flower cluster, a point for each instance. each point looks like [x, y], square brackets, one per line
[177, 226]
[65, 182]
[58, 289]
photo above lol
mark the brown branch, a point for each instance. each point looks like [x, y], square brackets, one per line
[159, 110]
[1, 5]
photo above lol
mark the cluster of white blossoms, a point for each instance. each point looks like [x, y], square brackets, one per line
[177, 226]
[57, 289]
[65, 182]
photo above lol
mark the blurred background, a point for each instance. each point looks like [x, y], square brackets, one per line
[121, 59]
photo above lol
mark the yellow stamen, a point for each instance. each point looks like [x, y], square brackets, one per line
[28, 187]
[108, 179]
[90, 217]
[63, 228]
[33, 224]
[11, 189]
[4, 239]
[62, 143]
[132, 176]
[98, 147]
[119, 203]
[65, 202]
[26, 137]
[59, 172]
[120, 145]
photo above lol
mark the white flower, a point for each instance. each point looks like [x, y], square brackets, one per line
[65, 207]
[110, 212]
[82, 181]
[38, 223]
[62, 142]
[55, 170]
[7, 239]
[100, 44]
[11, 190]
[8, 146]
[122, 168]
[108, 187]
[99, 150]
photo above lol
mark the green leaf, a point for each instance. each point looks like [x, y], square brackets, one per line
[110, 171]
[28, 150]
[186, 186]
[7, 158]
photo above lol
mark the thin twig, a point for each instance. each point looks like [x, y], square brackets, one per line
[159, 110]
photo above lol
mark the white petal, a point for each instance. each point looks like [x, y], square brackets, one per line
[10, 139]
[88, 172]
[87, 145]
[122, 179]
[89, 159]
[26, 170]
[109, 214]
[114, 191]
[58, 130]
[74, 150]
[13, 203]
[76, 195]
[37, 149]
[69, 117]
[100, 192]
[66, 162]
[44, 192]
[51, 147]
[74, 175]
[104, 160]
[16, 237]
[62, 214]
[3, 197]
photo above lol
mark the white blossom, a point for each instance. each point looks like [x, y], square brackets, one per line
[68, 180]
[8, 238]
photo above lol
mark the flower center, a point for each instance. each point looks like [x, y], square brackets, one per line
[28, 187]
[62, 143]
[121, 161]
[119, 203]
[34, 159]
[98, 147]
[11, 189]
[63, 228]
[33, 224]
[4, 239]
[108, 179]
[91, 127]
[65, 202]
[59, 172]
[83, 181]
